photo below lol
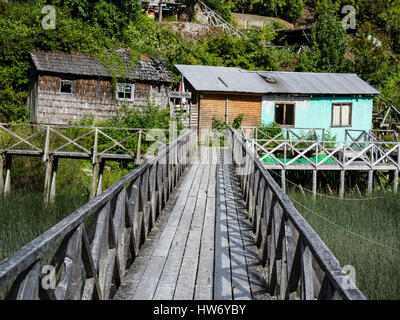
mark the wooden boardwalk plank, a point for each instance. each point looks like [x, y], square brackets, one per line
[256, 276]
[174, 261]
[198, 250]
[222, 273]
[135, 275]
[240, 280]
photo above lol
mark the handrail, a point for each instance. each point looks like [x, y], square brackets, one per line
[294, 255]
[100, 239]
[369, 155]
[79, 141]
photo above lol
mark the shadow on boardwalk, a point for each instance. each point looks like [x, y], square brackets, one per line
[202, 246]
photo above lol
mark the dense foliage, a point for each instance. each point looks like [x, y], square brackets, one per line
[98, 27]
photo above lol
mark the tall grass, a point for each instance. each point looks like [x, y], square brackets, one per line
[377, 265]
[23, 217]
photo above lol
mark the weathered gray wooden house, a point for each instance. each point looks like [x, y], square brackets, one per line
[66, 87]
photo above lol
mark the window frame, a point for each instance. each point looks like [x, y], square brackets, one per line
[284, 114]
[341, 125]
[125, 84]
[66, 80]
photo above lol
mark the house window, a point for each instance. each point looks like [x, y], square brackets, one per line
[125, 91]
[284, 113]
[341, 114]
[66, 86]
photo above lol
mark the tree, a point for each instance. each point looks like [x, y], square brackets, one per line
[287, 9]
[112, 15]
[329, 43]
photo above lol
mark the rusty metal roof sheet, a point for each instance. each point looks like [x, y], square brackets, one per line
[85, 65]
[226, 79]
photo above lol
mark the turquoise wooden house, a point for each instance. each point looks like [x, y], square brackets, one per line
[335, 102]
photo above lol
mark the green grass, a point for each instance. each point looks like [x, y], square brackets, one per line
[23, 217]
[377, 266]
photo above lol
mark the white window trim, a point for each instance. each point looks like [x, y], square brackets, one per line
[132, 85]
[341, 123]
[72, 86]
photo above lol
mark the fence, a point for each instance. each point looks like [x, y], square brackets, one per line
[299, 264]
[96, 244]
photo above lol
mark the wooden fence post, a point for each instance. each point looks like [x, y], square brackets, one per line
[396, 181]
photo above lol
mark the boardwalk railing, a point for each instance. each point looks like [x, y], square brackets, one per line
[77, 141]
[287, 150]
[97, 144]
[86, 255]
[298, 263]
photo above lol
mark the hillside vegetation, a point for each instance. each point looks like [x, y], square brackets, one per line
[96, 27]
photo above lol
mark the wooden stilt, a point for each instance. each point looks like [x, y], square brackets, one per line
[7, 184]
[95, 177]
[139, 146]
[376, 177]
[283, 180]
[396, 181]
[329, 189]
[47, 179]
[302, 190]
[358, 190]
[1, 173]
[342, 183]
[370, 181]
[314, 186]
[100, 183]
[54, 167]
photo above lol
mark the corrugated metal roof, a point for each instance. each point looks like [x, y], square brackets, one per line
[225, 79]
[83, 64]
[317, 83]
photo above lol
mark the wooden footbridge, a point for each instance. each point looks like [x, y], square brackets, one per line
[188, 223]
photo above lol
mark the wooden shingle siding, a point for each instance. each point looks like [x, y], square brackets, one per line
[49, 83]
[213, 105]
[90, 96]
